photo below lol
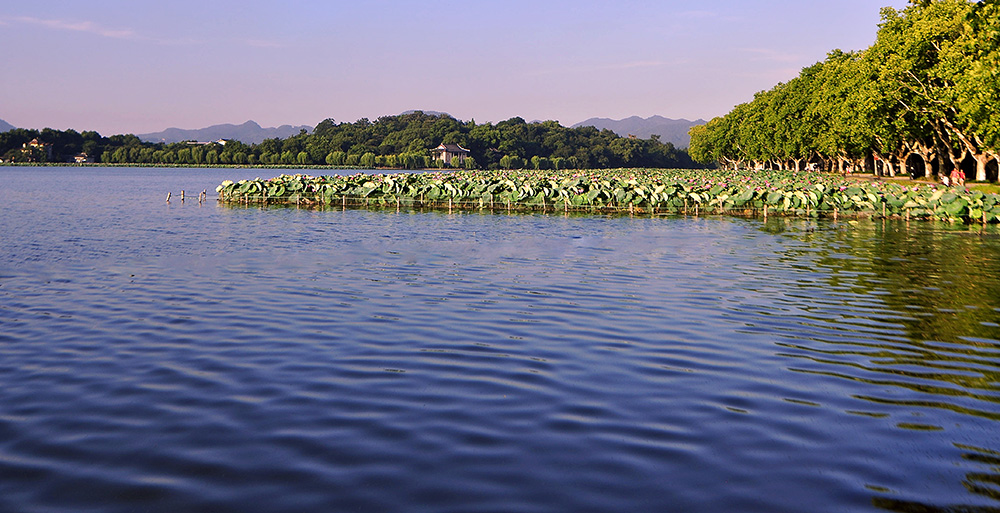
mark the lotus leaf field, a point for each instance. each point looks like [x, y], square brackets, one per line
[788, 193]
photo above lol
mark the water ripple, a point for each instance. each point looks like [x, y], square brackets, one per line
[191, 357]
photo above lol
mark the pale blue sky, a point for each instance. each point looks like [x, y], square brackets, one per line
[138, 66]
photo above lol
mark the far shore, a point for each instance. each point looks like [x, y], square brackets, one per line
[987, 187]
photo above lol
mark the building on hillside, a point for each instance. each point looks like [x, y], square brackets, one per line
[451, 154]
[83, 158]
[37, 144]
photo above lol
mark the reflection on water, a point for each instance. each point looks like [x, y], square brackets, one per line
[911, 311]
[190, 357]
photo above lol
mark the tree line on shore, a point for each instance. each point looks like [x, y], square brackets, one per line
[404, 141]
[923, 100]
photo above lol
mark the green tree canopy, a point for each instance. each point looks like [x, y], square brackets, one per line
[929, 86]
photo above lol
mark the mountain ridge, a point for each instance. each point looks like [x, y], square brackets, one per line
[248, 133]
[674, 131]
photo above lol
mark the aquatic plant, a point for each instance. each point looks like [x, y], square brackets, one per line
[788, 193]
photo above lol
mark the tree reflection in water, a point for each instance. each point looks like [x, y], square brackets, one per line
[912, 312]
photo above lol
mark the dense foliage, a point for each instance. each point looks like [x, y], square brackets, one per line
[924, 99]
[66, 144]
[403, 141]
[632, 190]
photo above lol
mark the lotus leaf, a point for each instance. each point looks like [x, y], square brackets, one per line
[793, 193]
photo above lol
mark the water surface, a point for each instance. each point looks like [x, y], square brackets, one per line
[197, 357]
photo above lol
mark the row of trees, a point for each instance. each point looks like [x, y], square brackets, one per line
[926, 93]
[403, 141]
[68, 143]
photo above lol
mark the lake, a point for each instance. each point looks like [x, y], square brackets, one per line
[197, 357]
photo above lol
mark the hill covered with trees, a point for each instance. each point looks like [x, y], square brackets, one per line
[403, 141]
[923, 99]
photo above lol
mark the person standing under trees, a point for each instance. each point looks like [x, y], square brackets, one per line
[954, 177]
[961, 178]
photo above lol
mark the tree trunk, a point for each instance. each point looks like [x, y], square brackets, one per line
[982, 159]
[840, 165]
[904, 158]
[927, 164]
[940, 164]
[926, 153]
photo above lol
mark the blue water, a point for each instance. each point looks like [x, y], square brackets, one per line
[189, 356]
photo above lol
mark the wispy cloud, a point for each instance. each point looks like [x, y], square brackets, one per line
[90, 27]
[76, 26]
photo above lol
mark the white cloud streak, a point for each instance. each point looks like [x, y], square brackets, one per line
[76, 26]
[90, 27]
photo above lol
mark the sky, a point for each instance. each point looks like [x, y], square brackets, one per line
[138, 66]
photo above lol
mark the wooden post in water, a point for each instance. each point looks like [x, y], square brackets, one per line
[182, 195]
[168, 197]
[765, 212]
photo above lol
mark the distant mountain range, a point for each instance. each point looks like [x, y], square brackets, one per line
[674, 131]
[248, 133]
